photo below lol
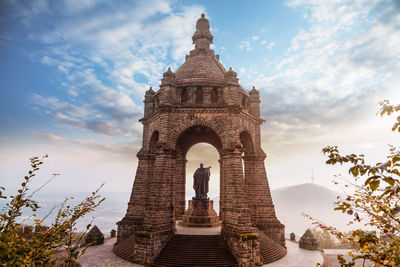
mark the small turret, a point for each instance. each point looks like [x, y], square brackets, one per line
[231, 88]
[254, 102]
[167, 93]
[168, 77]
[149, 102]
[231, 76]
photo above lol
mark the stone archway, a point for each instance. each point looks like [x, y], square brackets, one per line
[188, 138]
[228, 118]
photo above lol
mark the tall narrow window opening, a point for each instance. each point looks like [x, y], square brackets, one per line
[199, 95]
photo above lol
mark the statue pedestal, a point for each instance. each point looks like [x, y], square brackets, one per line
[200, 214]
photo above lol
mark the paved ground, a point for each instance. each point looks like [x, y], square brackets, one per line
[103, 255]
[297, 257]
[99, 256]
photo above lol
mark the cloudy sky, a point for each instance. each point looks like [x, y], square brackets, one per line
[73, 74]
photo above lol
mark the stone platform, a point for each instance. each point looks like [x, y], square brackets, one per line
[200, 214]
[103, 255]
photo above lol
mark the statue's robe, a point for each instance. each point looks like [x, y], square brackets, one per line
[200, 183]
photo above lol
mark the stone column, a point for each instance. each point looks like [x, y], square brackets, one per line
[136, 205]
[180, 186]
[262, 211]
[221, 190]
[236, 225]
[159, 218]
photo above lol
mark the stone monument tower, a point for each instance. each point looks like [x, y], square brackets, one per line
[201, 102]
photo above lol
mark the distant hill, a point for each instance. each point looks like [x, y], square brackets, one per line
[315, 200]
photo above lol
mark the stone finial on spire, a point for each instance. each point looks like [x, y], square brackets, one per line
[202, 37]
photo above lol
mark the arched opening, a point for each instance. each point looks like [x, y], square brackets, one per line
[198, 134]
[156, 102]
[199, 95]
[214, 95]
[184, 95]
[247, 142]
[208, 156]
[203, 139]
[244, 102]
[153, 142]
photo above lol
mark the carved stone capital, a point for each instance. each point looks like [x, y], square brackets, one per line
[255, 157]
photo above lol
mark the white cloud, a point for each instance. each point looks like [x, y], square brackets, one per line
[108, 59]
[122, 150]
[53, 103]
[255, 38]
[244, 45]
[327, 85]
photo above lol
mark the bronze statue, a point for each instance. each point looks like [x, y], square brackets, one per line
[200, 182]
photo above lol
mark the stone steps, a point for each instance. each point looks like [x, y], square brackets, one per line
[125, 248]
[195, 250]
[201, 250]
[270, 251]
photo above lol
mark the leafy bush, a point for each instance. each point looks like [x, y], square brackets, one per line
[57, 243]
[376, 196]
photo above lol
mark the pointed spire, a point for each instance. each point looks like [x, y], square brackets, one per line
[202, 37]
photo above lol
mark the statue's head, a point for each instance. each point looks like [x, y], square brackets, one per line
[201, 165]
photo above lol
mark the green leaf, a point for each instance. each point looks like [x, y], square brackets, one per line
[375, 177]
[374, 184]
[331, 161]
[354, 170]
[389, 180]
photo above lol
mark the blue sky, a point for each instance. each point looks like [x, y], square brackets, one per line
[73, 74]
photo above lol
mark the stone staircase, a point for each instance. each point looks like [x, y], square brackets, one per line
[201, 250]
[195, 250]
[270, 250]
[125, 248]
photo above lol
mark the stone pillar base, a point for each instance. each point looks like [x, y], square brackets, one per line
[200, 214]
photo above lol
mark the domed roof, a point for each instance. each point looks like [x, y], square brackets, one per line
[201, 68]
[201, 65]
